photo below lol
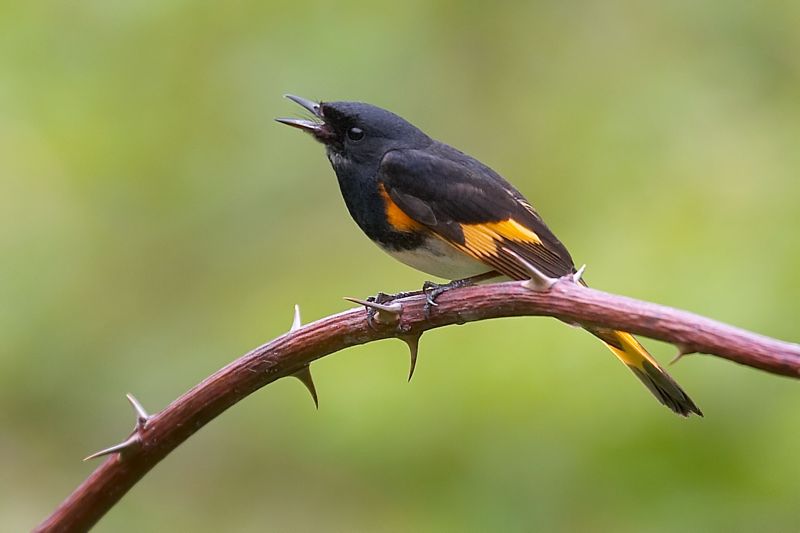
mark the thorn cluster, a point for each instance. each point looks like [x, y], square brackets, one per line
[134, 440]
[390, 313]
[304, 374]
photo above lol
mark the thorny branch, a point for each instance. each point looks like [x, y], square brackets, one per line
[155, 436]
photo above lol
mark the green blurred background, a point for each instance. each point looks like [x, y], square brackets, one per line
[155, 224]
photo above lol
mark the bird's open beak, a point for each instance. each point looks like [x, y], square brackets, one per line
[311, 126]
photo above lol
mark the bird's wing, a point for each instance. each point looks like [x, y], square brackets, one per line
[472, 208]
[478, 212]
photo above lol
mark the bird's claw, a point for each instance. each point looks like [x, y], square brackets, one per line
[434, 290]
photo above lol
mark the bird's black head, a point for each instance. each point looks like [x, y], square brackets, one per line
[354, 133]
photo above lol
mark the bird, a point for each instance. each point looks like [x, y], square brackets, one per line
[445, 213]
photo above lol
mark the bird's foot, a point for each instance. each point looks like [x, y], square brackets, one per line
[434, 290]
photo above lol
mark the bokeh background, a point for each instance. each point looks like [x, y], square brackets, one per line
[155, 223]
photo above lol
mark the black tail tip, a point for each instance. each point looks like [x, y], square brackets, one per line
[666, 390]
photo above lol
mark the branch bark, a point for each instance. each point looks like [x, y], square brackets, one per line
[154, 437]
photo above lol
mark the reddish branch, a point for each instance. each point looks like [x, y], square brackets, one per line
[156, 436]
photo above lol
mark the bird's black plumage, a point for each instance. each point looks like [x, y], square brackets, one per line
[447, 214]
[473, 194]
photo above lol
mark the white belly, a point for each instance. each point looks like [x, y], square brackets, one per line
[440, 259]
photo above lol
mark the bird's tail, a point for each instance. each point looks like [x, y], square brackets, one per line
[635, 356]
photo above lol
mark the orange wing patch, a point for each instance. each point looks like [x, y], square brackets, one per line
[397, 218]
[482, 239]
[513, 230]
[477, 240]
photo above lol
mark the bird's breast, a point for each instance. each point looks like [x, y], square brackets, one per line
[438, 258]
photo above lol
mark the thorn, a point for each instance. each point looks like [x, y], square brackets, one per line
[677, 358]
[539, 281]
[123, 446]
[412, 341]
[576, 277]
[296, 323]
[141, 415]
[683, 350]
[392, 308]
[386, 313]
[304, 375]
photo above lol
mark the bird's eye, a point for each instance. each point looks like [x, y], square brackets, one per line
[355, 134]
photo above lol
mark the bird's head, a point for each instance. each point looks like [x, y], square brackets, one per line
[355, 133]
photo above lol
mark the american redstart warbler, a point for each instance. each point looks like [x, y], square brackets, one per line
[447, 214]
